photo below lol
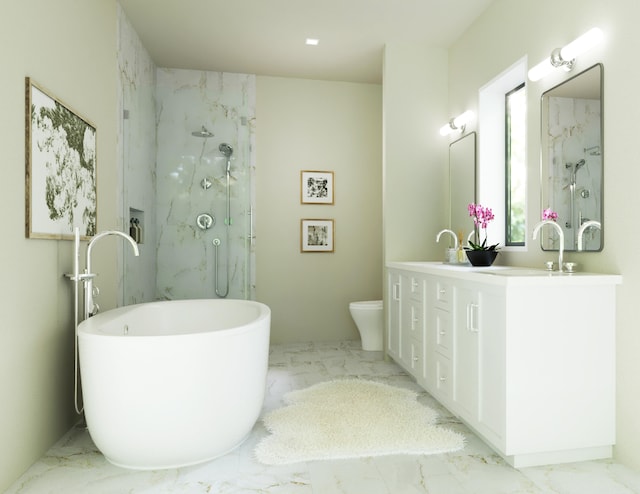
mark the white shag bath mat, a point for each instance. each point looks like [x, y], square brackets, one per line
[352, 418]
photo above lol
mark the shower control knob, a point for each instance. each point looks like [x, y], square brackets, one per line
[205, 221]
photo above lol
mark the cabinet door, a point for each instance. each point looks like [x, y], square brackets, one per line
[466, 359]
[394, 297]
[492, 368]
[480, 365]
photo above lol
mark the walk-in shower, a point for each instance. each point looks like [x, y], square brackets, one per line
[194, 185]
[206, 221]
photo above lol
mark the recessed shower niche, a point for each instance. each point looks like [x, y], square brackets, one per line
[136, 225]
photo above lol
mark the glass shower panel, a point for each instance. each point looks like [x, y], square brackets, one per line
[204, 169]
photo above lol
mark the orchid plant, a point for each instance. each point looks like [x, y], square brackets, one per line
[548, 214]
[482, 216]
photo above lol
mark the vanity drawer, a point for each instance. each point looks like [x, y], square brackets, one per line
[444, 377]
[416, 288]
[417, 360]
[443, 332]
[443, 294]
[415, 323]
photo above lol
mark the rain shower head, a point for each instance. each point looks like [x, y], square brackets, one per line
[204, 133]
[225, 149]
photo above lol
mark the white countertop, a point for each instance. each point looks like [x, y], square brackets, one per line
[506, 275]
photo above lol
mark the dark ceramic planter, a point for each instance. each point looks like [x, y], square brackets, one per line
[481, 257]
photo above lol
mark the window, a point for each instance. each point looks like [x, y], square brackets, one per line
[501, 176]
[515, 165]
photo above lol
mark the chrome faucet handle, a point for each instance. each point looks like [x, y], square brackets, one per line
[81, 276]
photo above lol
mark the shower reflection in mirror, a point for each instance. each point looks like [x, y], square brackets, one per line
[572, 160]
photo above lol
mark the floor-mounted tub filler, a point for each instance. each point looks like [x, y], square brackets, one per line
[173, 383]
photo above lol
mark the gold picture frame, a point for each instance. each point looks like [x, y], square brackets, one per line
[316, 187]
[60, 168]
[317, 235]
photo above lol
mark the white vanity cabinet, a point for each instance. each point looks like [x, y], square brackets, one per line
[439, 339]
[406, 321]
[525, 358]
[392, 325]
[480, 366]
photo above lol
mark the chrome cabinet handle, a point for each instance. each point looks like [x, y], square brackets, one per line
[472, 317]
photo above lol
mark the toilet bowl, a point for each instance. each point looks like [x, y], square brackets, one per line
[368, 318]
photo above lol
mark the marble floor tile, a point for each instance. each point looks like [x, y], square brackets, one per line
[74, 465]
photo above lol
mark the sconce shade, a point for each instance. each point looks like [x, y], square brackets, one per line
[565, 57]
[457, 123]
[582, 44]
[541, 70]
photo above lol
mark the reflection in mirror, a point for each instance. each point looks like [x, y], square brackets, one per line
[572, 160]
[462, 183]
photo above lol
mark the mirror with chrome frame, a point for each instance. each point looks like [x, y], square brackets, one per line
[462, 183]
[571, 160]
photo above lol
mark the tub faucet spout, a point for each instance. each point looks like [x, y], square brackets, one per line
[537, 228]
[90, 308]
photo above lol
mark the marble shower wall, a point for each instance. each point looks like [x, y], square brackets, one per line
[137, 166]
[224, 104]
[161, 167]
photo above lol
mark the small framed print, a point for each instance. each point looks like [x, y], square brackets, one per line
[316, 235]
[316, 187]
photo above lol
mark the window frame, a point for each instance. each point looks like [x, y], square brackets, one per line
[508, 186]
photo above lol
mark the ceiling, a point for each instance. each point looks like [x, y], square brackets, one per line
[267, 37]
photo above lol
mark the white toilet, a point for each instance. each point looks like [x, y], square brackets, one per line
[368, 318]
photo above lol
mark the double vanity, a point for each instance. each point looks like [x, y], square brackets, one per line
[524, 357]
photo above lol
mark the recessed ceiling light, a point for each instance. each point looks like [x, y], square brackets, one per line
[312, 41]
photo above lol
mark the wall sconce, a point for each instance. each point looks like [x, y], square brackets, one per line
[457, 123]
[565, 57]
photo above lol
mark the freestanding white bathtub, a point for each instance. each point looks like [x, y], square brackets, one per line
[169, 384]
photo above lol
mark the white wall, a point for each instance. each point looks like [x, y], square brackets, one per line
[416, 163]
[69, 47]
[533, 28]
[317, 125]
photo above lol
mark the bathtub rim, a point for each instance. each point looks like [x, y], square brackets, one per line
[93, 327]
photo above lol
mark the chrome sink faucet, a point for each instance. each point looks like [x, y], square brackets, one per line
[583, 228]
[537, 228]
[451, 232]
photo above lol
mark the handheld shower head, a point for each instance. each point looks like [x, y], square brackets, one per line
[226, 149]
[580, 164]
